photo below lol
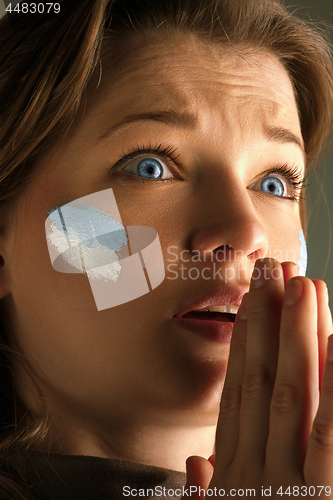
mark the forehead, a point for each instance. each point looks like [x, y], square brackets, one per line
[202, 79]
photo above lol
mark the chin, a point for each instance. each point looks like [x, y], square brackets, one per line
[200, 403]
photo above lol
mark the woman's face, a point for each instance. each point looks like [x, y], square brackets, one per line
[216, 121]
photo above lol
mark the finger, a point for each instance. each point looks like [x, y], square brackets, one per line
[212, 459]
[296, 389]
[264, 310]
[324, 325]
[290, 270]
[199, 472]
[228, 423]
[318, 465]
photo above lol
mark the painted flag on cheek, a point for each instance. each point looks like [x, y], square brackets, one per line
[86, 236]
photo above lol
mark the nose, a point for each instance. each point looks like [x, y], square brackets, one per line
[229, 224]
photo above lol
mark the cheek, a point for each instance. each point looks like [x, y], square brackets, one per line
[290, 247]
[86, 236]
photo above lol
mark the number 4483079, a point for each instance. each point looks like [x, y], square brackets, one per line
[34, 8]
[304, 491]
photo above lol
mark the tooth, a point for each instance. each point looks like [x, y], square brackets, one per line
[222, 309]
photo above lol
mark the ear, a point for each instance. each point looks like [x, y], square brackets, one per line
[5, 253]
[4, 283]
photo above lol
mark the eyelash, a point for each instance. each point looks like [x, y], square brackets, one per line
[289, 171]
[295, 179]
[167, 153]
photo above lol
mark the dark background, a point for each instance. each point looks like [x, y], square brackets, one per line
[320, 191]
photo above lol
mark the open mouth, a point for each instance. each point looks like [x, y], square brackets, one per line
[210, 316]
[214, 313]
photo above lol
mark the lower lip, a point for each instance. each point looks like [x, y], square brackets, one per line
[216, 331]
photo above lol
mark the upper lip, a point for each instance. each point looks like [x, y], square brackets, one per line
[224, 295]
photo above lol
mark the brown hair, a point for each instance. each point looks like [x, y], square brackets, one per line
[45, 68]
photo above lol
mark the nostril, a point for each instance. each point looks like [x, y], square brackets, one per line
[227, 253]
[254, 256]
[224, 253]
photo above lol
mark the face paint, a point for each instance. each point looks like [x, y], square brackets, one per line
[88, 239]
[303, 255]
[87, 236]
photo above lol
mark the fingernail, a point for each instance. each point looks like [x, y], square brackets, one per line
[262, 272]
[294, 291]
[327, 295]
[242, 309]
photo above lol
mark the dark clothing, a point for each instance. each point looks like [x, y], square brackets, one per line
[52, 476]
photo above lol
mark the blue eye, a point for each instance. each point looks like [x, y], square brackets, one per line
[272, 185]
[150, 167]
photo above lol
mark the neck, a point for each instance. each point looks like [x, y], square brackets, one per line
[160, 446]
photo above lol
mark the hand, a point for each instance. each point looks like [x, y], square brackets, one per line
[275, 426]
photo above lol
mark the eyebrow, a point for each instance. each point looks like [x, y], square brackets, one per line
[190, 120]
[285, 136]
[181, 119]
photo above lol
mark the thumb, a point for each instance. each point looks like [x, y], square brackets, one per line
[199, 473]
